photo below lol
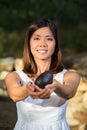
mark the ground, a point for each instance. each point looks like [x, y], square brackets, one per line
[7, 114]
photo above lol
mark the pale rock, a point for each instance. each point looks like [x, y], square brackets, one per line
[85, 101]
[83, 127]
[6, 63]
[18, 65]
[3, 93]
[3, 74]
[82, 86]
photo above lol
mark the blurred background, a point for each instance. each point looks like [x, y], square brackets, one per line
[70, 16]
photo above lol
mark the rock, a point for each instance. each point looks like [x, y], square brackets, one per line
[84, 102]
[83, 127]
[2, 84]
[81, 116]
[70, 118]
[6, 64]
[43, 79]
[3, 93]
[18, 64]
[3, 90]
[3, 75]
[82, 86]
[77, 107]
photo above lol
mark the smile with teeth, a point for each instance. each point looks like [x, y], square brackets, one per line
[42, 51]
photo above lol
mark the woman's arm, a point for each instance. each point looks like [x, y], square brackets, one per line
[13, 84]
[18, 92]
[70, 84]
[69, 87]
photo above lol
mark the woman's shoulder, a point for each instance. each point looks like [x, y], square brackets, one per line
[59, 76]
[23, 75]
[62, 72]
[19, 72]
[72, 74]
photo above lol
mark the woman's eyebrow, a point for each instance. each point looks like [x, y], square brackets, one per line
[45, 36]
[37, 35]
[49, 35]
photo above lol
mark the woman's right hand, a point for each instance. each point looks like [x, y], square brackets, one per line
[36, 92]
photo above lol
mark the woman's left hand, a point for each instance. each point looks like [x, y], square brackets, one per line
[52, 86]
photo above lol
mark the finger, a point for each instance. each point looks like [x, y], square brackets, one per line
[30, 86]
[45, 94]
[49, 86]
[37, 94]
[38, 88]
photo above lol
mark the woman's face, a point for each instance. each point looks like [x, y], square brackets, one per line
[42, 44]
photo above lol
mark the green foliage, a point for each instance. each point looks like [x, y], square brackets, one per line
[69, 15]
[74, 38]
[11, 44]
[16, 15]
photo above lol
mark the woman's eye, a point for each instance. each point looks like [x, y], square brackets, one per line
[50, 39]
[36, 38]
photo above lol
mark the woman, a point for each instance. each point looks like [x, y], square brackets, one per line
[42, 109]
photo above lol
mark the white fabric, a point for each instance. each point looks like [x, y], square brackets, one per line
[41, 114]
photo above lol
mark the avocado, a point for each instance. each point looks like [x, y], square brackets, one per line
[43, 79]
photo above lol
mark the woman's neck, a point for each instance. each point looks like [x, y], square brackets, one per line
[42, 66]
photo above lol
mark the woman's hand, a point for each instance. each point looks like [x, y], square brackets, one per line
[52, 86]
[36, 92]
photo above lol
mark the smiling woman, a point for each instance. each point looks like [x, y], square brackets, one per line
[42, 108]
[42, 45]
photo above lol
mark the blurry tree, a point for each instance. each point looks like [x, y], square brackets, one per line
[17, 14]
[69, 15]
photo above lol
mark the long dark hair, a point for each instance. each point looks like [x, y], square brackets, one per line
[29, 63]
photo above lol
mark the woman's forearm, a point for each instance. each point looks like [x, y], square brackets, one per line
[14, 88]
[64, 91]
[18, 93]
[69, 86]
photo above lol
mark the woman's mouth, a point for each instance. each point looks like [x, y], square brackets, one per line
[42, 51]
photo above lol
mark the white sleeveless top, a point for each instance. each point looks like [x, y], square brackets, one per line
[41, 114]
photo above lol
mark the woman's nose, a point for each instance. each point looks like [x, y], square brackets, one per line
[43, 43]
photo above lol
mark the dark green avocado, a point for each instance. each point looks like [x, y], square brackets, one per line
[44, 79]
